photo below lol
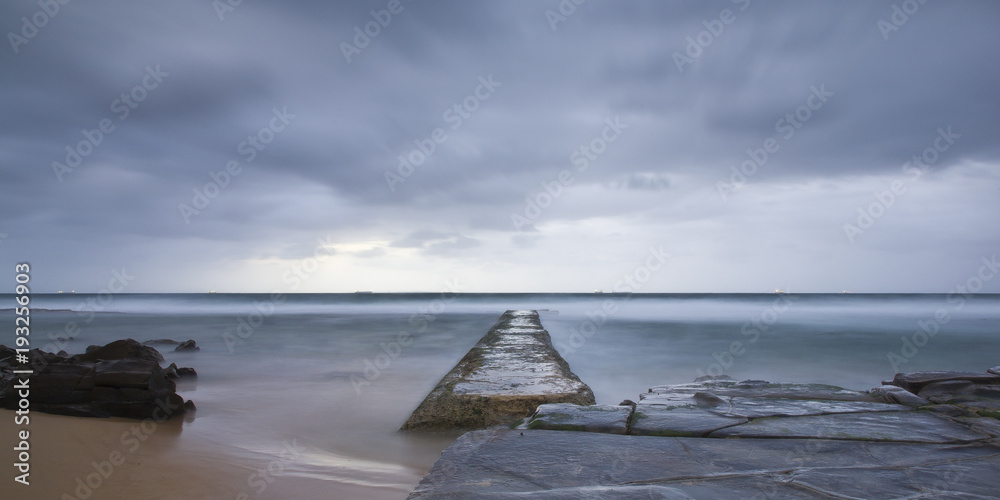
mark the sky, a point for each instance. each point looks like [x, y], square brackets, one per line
[515, 146]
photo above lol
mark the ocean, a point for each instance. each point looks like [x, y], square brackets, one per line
[339, 373]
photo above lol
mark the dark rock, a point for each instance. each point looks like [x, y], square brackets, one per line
[161, 342]
[184, 371]
[171, 371]
[913, 382]
[706, 378]
[122, 373]
[995, 370]
[189, 406]
[121, 379]
[627, 402]
[187, 346]
[946, 390]
[62, 354]
[92, 347]
[60, 383]
[120, 349]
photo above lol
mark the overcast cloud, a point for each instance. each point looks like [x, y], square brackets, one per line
[583, 137]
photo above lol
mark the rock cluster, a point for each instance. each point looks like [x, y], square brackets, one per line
[921, 435]
[755, 408]
[120, 379]
[504, 377]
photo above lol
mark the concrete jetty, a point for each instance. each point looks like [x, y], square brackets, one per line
[510, 372]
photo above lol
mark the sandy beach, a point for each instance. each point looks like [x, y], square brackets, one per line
[157, 462]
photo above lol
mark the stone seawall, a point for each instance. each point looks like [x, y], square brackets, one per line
[510, 372]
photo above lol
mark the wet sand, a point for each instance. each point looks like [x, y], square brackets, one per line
[156, 461]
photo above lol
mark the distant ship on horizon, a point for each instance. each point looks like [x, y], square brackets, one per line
[363, 291]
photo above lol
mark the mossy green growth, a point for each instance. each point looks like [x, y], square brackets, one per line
[990, 414]
[543, 425]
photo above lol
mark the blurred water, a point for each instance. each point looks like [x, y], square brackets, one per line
[341, 372]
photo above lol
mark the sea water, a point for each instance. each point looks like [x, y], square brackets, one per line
[339, 373]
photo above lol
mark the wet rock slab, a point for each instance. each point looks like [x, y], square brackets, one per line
[510, 372]
[910, 426]
[563, 465]
[566, 416]
[914, 382]
[650, 420]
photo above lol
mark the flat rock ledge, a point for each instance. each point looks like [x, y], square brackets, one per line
[719, 438]
[510, 372]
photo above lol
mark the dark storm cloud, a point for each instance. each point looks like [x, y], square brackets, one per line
[326, 172]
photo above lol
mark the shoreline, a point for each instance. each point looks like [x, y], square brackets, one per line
[162, 464]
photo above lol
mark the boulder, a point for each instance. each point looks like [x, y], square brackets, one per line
[120, 349]
[187, 346]
[175, 372]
